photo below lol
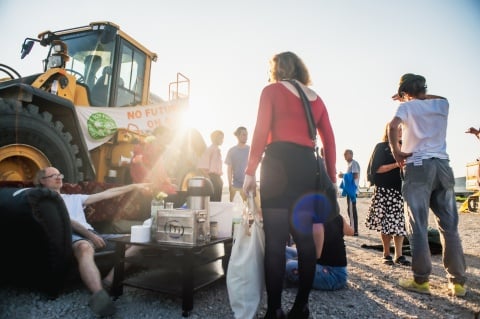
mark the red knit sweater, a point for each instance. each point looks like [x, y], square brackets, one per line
[281, 117]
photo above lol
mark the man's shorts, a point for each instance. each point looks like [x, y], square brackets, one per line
[109, 245]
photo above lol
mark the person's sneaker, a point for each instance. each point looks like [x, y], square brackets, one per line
[101, 304]
[412, 285]
[403, 261]
[457, 290]
[387, 260]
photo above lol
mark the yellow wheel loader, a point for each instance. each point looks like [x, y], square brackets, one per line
[471, 205]
[88, 108]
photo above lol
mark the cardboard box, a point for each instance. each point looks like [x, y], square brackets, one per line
[183, 226]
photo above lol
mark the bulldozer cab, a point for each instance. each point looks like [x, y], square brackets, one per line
[111, 67]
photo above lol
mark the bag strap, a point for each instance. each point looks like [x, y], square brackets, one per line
[308, 112]
[323, 183]
[312, 130]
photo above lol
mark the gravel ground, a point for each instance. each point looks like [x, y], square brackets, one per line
[372, 290]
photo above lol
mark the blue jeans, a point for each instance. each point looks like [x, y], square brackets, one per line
[430, 186]
[326, 277]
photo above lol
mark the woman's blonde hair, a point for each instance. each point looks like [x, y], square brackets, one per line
[286, 66]
[385, 133]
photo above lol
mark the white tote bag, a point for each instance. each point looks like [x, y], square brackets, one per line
[245, 274]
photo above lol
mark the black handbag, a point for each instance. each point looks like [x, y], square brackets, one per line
[324, 184]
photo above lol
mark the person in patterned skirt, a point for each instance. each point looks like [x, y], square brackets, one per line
[385, 213]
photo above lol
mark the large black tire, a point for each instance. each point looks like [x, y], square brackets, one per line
[472, 202]
[25, 125]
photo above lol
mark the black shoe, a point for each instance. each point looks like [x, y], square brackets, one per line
[403, 261]
[298, 312]
[387, 260]
[275, 314]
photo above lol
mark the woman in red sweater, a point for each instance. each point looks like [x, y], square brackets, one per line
[288, 175]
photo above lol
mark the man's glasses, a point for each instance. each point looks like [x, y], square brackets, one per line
[54, 176]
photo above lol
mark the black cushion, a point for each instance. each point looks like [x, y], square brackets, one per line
[36, 234]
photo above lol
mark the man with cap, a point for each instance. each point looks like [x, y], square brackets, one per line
[428, 182]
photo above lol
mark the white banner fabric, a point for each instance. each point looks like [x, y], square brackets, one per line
[99, 124]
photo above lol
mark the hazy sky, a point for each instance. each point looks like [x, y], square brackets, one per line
[356, 52]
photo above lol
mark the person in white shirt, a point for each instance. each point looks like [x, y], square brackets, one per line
[428, 182]
[84, 238]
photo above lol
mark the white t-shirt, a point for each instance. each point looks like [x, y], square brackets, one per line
[75, 205]
[424, 129]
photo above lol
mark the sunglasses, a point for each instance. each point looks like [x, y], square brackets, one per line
[54, 176]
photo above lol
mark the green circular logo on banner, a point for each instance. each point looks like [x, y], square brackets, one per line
[100, 125]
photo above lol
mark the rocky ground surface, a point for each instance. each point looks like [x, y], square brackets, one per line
[372, 291]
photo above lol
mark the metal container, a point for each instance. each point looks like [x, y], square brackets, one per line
[182, 226]
[198, 192]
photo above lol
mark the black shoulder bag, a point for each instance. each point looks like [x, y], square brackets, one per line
[324, 184]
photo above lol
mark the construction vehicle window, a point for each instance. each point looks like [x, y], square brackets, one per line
[92, 66]
[93, 59]
[132, 74]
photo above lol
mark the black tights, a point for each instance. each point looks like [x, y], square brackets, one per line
[277, 226]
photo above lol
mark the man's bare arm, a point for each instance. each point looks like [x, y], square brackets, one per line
[393, 128]
[116, 191]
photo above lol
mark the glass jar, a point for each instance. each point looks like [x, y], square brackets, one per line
[156, 205]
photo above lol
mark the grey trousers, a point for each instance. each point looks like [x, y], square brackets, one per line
[430, 186]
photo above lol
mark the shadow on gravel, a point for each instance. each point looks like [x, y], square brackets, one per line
[378, 284]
